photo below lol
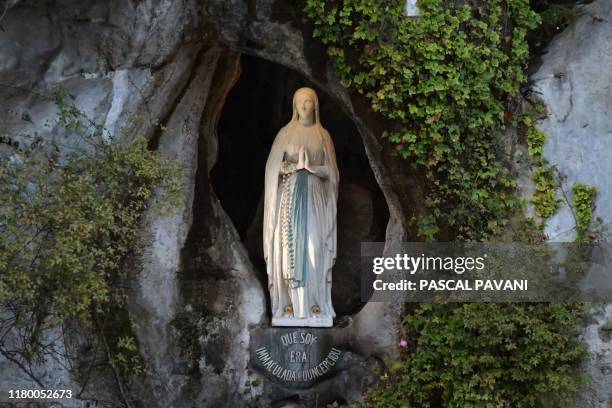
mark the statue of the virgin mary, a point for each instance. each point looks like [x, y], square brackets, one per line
[301, 192]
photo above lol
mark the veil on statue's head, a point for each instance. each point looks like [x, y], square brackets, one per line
[315, 98]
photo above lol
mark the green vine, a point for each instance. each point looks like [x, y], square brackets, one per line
[535, 142]
[545, 200]
[584, 203]
[444, 80]
[486, 355]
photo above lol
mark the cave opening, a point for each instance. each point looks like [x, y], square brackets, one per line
[258, 105]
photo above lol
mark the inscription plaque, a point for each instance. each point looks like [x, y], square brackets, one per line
[294, 357]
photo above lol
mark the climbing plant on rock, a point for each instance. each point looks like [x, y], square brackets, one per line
[584, 203]
[443, 79]
[69, 217]
[487, 355]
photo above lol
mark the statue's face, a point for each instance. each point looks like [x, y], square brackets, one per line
[305, 104]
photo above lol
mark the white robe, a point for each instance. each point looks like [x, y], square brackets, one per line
[313, 299]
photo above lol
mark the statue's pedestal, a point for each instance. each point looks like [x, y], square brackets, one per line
[296, 357]
[312, 366]
[323, 321]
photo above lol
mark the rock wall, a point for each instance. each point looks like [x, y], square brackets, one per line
[575, 83]
[119, 62]
[192, 326]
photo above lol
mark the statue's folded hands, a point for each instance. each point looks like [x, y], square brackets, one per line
[304, 163]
